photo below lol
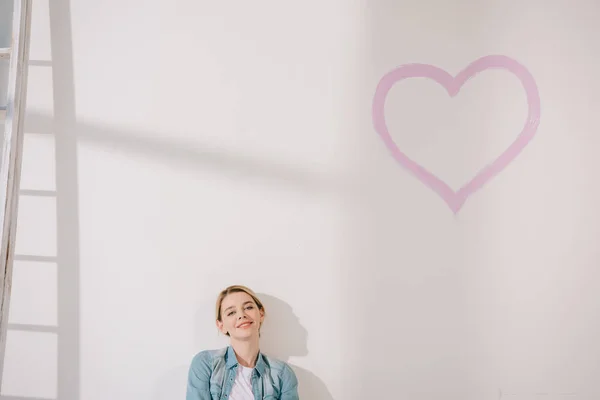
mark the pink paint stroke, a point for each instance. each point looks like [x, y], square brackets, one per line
[456, 200]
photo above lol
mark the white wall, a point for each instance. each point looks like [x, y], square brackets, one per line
[187, 145]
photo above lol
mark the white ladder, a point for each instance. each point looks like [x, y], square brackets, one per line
[12, 117]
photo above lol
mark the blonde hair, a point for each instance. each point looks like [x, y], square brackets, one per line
[236, 289]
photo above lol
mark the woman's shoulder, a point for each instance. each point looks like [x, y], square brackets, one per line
[279, 366]
[208, 357]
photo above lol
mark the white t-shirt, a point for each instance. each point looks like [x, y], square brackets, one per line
[242, 387]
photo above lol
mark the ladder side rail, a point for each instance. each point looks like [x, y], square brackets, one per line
[12, 155]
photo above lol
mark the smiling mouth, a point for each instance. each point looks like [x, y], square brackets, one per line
[245, 325]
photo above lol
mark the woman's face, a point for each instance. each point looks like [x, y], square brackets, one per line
[240, 316]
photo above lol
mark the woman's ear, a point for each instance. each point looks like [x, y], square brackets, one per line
[220, 326]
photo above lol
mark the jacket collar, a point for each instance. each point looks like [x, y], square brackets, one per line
[231, 360]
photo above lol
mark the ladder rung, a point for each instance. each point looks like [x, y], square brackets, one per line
[4, 52]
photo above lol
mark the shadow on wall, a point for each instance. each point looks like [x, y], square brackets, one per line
[283, 337]
[157, 146]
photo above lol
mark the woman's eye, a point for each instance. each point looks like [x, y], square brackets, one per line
[249, 307]
[231, 313]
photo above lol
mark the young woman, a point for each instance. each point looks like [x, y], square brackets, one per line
[240, 371]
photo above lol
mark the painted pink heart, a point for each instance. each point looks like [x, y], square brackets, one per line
[456, 200]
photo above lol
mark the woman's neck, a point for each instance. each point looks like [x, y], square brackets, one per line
[246, 352]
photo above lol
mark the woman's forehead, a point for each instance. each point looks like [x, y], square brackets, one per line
[237, 298]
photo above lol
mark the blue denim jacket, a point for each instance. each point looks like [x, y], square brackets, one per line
[212, 374]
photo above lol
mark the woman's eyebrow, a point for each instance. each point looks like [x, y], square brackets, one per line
[247, 302]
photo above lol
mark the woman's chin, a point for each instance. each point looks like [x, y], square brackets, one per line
[245, 335]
